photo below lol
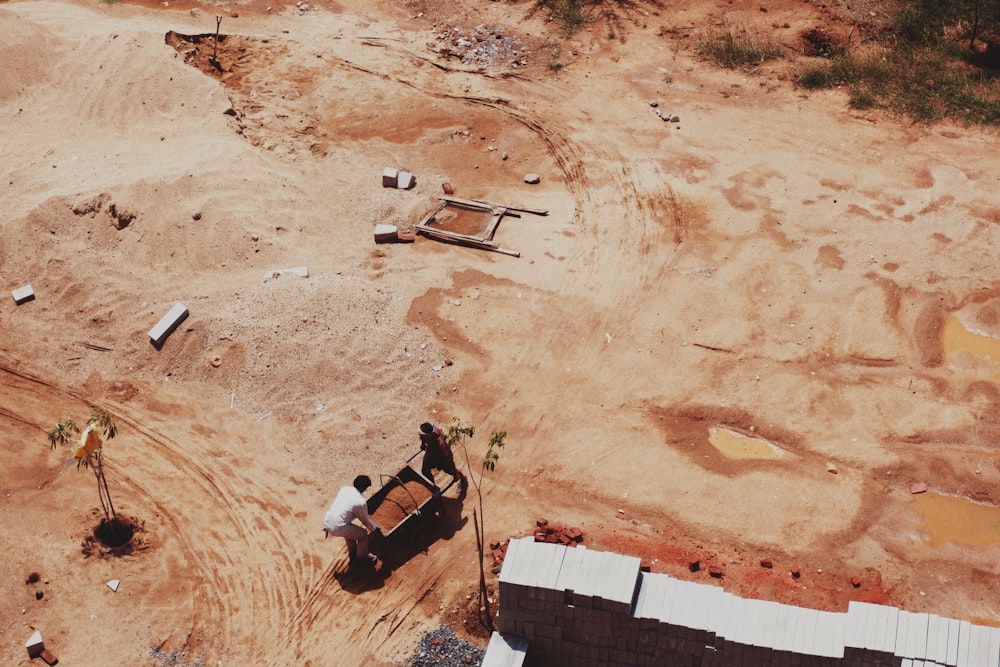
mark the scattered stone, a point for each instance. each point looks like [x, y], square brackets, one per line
[48, 656]
[32, 578]
[715, 572]
[39, 594]
[675, 119]
[196, 215]
[406, 180]
[766, 563]
[114, 584]
[390, 177]
[300, 271]
[23, 294]
[694, 565]
[216, 361]
[441, 647]
[386, 233]
[121, 218]
[654, 104]
[645, 565]
[832, 469]
[856, 582]
[918, 487]
[541, 523]
[448, 190]
[167, 324]
[795, 572]
[532, 179]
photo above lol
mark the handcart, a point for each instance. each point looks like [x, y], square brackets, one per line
[405, 504]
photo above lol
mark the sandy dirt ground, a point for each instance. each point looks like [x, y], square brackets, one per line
[770, 266]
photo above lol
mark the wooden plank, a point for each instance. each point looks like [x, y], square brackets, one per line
[430, 216]
[466, 240]
[477, 204]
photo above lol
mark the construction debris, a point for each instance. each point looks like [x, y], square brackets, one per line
[35, 645]
[390, 177]
[300, 271]
[470, 222]
[386, 233]
[23, 294]
[167, 324]
[406, 181]
[398, 178]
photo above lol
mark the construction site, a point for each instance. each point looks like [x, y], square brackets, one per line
[738, 335]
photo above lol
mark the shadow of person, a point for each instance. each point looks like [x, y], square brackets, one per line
[362, 577]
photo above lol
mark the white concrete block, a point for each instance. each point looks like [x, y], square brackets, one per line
[951, 657]
[406, 180]
[964, 642]
[888, 637]
[917, 636]
[35, 645]
[979, 646]
[937, 638]
[390, 176]
[386, 233]
[23, 294]
[857, 612]
[505, 651]
[994, 652]
[168, 323]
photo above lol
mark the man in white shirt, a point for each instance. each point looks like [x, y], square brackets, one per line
[339, 521]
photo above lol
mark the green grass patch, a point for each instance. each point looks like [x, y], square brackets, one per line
[924, 83]
[571, 15]
[736, 48]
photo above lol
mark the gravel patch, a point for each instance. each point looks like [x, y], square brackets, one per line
[441, 648]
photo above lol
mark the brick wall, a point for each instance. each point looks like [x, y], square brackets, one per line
[576, 606]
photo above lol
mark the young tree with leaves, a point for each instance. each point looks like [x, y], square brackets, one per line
[89, 451]
[457, 434]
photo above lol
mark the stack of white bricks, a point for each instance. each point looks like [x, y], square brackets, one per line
[576, 606]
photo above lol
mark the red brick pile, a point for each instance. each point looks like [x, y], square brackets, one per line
[557, 535]
[543, 533]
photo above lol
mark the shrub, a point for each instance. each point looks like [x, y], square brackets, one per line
[737, 47]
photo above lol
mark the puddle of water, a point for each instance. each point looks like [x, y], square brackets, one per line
[738, 446]
[958, 520]
[970, 350]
